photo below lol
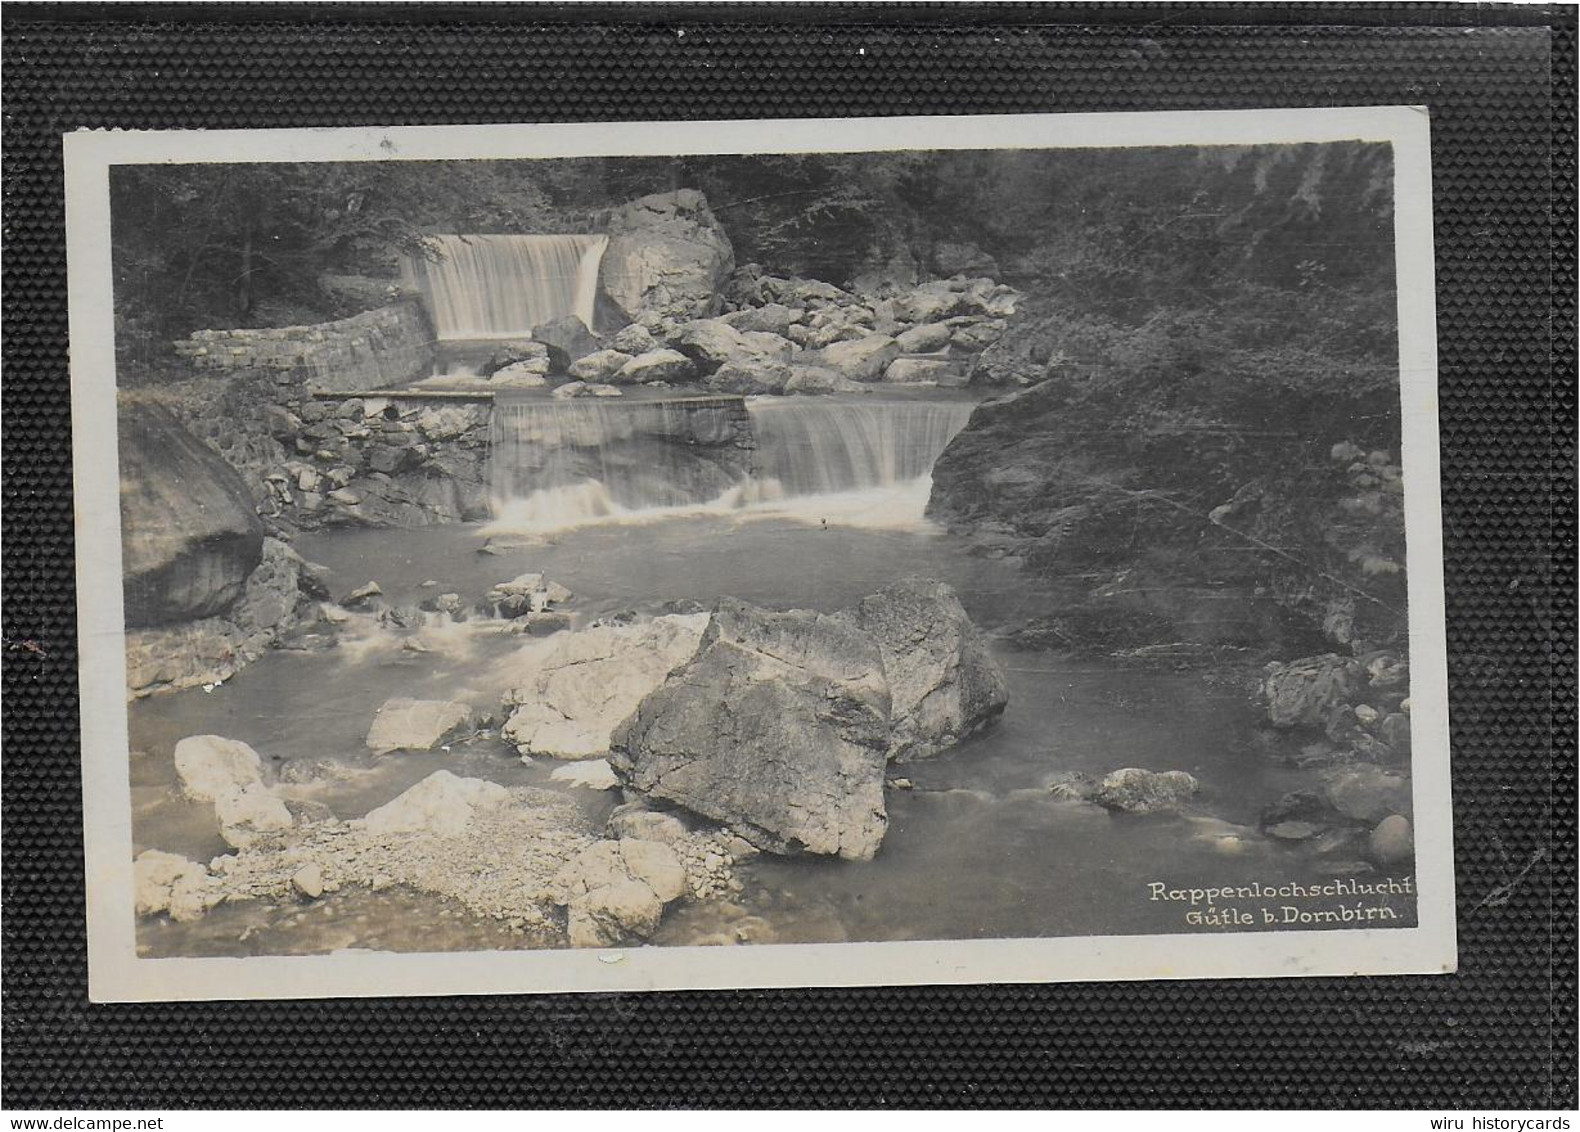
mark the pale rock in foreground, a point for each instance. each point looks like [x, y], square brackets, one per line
[228, 774]
[943, 683]
[442, 804]
[417, 725]
[211, 766]
[778, 727]
[577, 690]
[617, 890]
[166, 882]
[250, 815]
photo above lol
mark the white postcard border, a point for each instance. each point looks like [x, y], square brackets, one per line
[116, 973]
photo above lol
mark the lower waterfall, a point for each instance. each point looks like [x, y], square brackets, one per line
[561, 465]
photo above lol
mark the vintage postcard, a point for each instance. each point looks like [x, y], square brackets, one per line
[777, 553]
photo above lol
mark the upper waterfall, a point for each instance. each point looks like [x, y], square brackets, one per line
[502, 286]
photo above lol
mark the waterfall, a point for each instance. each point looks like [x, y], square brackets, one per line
[561, 464]
[808, 446]
[482, 287]
[557, 465]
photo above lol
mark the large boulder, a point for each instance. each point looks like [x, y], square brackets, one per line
[922, 371]
[1134, 790]
[617, 890]
[709, 342]
[634, 339]
[924, 339]
[749, 375]
[1366, 793]
[1305, 692]
[211, 766]
[861, 359]
[566, 339]
[943, 683]
[772, 318]
[417, 725]
[777, 727]
[229, 774]
[667, 255]
[655, 365]
[442, 804]
[189, 534]
[930, 302]
[601, 365]
[813, 379]
[573, 692]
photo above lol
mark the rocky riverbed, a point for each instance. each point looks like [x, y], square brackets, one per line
[538, 760]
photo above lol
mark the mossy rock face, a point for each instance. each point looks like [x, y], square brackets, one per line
[189, 534]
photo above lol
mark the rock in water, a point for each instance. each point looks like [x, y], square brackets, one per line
[709, 342]
[943, 683]
[777, 727]
[1366, 793]
[189, 534]
[921, 371]
[417, 725]
[1304, 692]
[634, 339]
[572, 696]
[229, 774]
[442, 804]
[863, 359]
[667, 255]
[250, 815]
[819, 379]
[165, 882]
[599, 366]
[655, 365]
[1136, 791]
[616, 890]
[1392, 842]
[566, 339]
[211, 766]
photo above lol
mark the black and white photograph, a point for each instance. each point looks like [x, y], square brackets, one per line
[759, 553]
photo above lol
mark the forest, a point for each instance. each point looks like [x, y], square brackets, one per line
[1221, 321]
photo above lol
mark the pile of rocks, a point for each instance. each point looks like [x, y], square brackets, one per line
[531, 598]
[374, 461]
[776, 335]
[1347, 717]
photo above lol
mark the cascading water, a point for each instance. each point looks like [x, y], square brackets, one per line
[560, 465]
[818, 447]
[482, 287]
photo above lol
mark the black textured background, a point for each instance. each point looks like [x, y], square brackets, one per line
[1501, 1033]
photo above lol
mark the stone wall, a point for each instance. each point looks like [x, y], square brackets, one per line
[381, 347]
